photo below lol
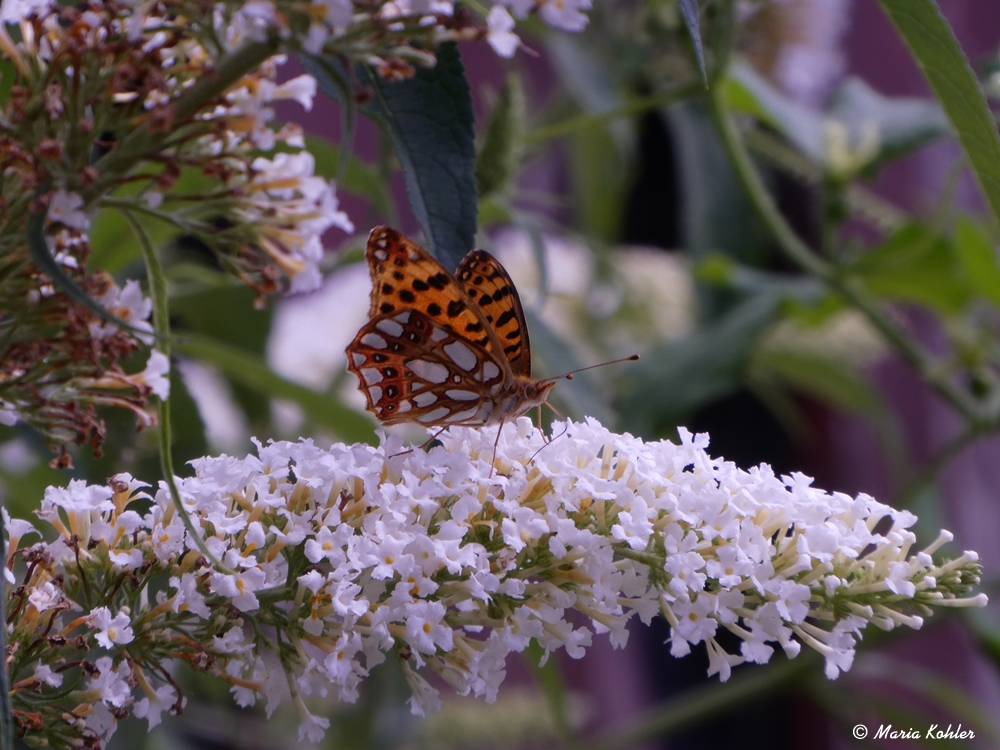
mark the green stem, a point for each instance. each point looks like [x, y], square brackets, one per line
[6, 709]
[933, 371]
[628, 109]
[704, 703]
[161, 324]
[554, 688]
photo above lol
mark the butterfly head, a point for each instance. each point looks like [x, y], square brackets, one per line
[536, 393]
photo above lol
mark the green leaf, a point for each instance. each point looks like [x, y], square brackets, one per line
[749, 91]
[672, 381]
[7, 75]
[689, 12]
[917, 264]
[716, 213]
[251, 370]
[503, 141]
[429, 121]
[939, 55]
[979, 257]
[579, 396]
[819, 376]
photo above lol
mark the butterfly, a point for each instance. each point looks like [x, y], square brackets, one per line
[442, 349]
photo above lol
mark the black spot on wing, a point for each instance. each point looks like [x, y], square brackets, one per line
[406, 295]
[385, 307]
[439, 281]
[387, 289]
[455, 307]
[505, 318]
[419, 285]
[516, 333]
[434, 309]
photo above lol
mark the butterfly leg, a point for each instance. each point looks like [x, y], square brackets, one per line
[422, 446]
[548, 442]
[496, 443]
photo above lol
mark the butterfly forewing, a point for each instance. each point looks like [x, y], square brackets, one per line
[413, 369]
[406, 277]
[489, 286]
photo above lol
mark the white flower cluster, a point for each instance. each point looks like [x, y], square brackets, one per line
[453, 558]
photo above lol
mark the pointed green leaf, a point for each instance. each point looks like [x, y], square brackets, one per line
[689, 12]
[503, 141]
[979, 257]
[939, 55]
[429, 121]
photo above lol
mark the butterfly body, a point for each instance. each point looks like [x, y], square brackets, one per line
[442, 349]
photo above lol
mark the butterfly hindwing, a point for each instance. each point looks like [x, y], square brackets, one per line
[413, 369]
[405, 277]
[489, 286]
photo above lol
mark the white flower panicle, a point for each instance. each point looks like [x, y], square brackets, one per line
[449, 560]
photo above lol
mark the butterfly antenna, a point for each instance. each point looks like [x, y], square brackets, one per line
[569, 375]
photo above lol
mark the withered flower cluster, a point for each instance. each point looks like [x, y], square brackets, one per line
[160, 109]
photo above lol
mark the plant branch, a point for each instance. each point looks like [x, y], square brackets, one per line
[161, 324]
[628, 109]
[141, 141]
[6, 710]
[929, 368]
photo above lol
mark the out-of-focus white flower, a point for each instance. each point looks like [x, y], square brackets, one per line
[500, 34]
[294, 351]
[646, 298]
[156, 375]
[800, 42]
[13, 11]
[65, 208]
[129, 305]
[844, 337]
[226, 427]
[17, 457]
[151, 707]
[567, 15]
[843, 158]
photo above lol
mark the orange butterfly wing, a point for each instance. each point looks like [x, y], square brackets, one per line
[406, 277]
[412, 369]
[489, 286]
[441, 350]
